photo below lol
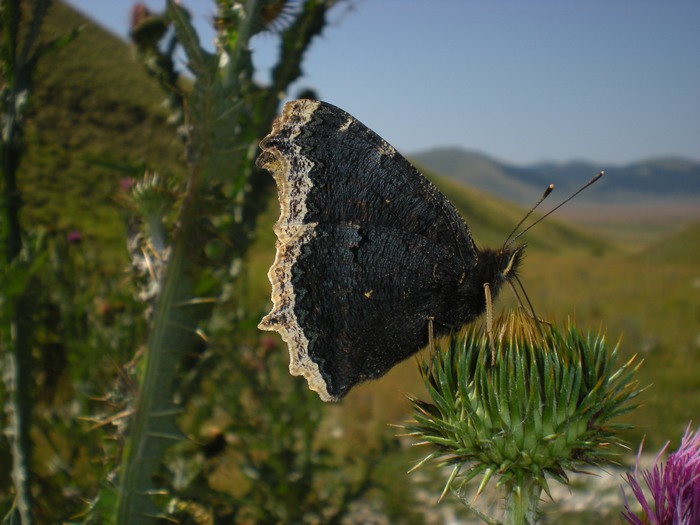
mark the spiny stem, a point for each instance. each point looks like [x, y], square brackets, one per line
[521, 501]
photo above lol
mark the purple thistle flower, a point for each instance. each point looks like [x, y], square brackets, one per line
[74, 237]
[126, 184]
[674, 487]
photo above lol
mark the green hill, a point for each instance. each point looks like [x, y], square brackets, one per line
[96, 118]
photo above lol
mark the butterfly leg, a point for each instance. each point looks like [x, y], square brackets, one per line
[431, 340]
[489, 321]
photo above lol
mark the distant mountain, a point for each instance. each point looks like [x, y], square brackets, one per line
[664, 180]
[650, 179]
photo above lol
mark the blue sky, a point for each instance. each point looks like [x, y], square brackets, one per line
[610, 81]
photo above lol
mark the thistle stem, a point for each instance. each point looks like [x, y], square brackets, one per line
[521, 500]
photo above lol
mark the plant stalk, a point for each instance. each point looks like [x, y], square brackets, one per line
[521, 500]
[16, 329]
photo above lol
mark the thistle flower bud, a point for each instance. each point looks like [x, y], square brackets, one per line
[147, 28]
[154, 198]
[543, 408]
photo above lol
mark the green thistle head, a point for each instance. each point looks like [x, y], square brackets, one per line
[154, 197]
[543, 408]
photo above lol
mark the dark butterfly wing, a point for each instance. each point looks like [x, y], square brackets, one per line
[368, 249]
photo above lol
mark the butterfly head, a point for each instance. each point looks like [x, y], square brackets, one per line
[494, 267]
[499, 266]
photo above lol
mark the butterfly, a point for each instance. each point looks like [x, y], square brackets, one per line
[371, 256]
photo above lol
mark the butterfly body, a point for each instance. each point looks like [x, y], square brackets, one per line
[368, 251]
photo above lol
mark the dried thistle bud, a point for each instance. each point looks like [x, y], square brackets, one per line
[147, 28]
[278, 15]
[153, 197]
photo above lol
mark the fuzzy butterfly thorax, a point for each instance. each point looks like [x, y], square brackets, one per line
[369, 252]
[463, 301]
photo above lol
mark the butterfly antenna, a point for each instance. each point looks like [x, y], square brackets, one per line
[529, 309]
[544, 196]
[589, 183]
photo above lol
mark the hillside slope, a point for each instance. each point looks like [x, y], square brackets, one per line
[95, 118]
